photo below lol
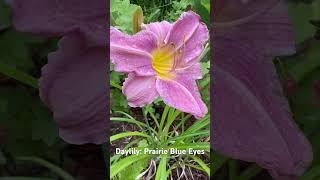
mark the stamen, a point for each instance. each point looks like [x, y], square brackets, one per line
[167, 57]
[179, 52]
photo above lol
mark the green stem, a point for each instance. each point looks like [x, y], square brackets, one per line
[163, 118]
[173, 114]
[18, 75]
[183, 122]
[113, 84]
[63, 174]
[152, 115]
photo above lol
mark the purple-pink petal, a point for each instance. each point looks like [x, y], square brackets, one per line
[194, 46]
[73, 85]
[193, 70]
[182, 93]
[55, 18]
[252, 120]
[160, 29]
[132, 53]
[140, 90]
[271, 32]
[227, 11]
[183, 28]
[189, 34]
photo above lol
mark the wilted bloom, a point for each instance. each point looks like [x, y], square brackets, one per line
[162, 60]
[252, 120]
[74, 82]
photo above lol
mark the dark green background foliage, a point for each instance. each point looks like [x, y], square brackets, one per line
[27, 122]
[300, 74]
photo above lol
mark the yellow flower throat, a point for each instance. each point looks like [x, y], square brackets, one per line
[166, 58]
[163, 62]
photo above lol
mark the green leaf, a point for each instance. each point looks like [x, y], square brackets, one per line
[148, 109]
[163, 118]
[116, 157]
[17, 49]
[18, 118]
[161, 170]
[202, 11]
[186, 135]
[312, 174]
[308, 61]
[63, 174]
[218, 161]
[43, 126]
[124, 163]
[3, 159]
[173, 114]
[138, 123]
[118, 100]
[195, 167]
[205, 67]
[17, 114]
[18, 75]
[301, 14]
[126, 134]
[204, 123]
[133, 170]
[206, 4]
[122, 12]
[250, 172]
[202, 164]
[4, 16]
[115, 85]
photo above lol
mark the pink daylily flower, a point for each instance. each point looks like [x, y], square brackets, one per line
[162, 60]
[252, 119]
[73, 84]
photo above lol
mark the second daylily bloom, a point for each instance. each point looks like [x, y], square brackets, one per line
[162, 60]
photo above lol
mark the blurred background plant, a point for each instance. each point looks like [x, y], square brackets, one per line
[27, 128]
[30, 147]
[299, 74]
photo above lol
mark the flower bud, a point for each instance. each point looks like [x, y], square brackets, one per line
[137, 20]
